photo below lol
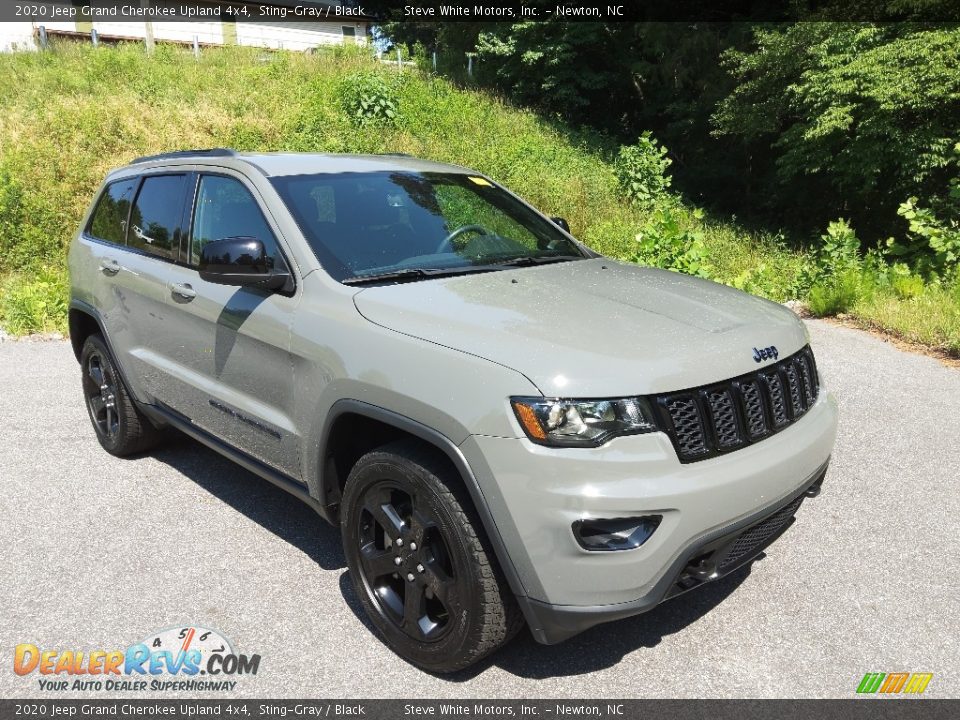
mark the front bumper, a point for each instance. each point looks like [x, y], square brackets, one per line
[713, 556]
[535, 494]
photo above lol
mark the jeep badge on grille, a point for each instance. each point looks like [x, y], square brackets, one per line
[761, 354]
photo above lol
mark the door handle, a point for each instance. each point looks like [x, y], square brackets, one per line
[109, 266]
[183, 290]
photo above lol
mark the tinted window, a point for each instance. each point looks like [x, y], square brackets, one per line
[225, 208]
[364, 223]
[155, 219]
[110, 218]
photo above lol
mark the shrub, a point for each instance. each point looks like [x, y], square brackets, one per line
[665, 243]
[761, 279]
[839, 293]
[34, 303]
[641, 170]
[369, 99]
[908, 286]
[839, 250]
[932, 245]
[837, 253]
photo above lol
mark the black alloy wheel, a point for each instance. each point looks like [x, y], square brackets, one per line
[100, 390]
[120, 426]
[405, 561]
[419, 562]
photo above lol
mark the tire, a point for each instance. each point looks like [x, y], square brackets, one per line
[444, 606]
[120, 427]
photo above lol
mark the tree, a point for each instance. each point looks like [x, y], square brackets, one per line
[847, 118]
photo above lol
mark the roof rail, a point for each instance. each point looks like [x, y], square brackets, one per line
[395, 154]
[208, 152]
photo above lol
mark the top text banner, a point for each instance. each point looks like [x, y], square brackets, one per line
[492, 11]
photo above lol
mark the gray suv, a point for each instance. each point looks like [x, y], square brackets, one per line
[507, 427]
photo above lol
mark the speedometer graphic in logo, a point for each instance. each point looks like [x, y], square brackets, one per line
[184, 639]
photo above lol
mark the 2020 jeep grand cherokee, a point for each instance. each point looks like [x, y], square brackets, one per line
[506, 426]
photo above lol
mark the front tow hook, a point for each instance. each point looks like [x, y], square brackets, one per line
[702, 571]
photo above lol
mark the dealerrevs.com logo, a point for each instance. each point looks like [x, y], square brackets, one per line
[894, 683]
[176, 659]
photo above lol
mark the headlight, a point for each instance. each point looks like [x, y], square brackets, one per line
[581, 423]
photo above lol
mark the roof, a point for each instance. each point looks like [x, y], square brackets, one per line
[288, 163]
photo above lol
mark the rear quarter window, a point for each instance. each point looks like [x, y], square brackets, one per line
[109, 221]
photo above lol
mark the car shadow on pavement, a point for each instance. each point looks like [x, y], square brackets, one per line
[292, 520]
[274, 509]
[605, 645]
[598, 648]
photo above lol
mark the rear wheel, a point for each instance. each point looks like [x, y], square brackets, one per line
[418, 564]
[121, 428]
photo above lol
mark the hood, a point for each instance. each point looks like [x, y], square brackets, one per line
[592, 328]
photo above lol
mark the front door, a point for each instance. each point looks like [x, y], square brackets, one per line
[234, 375]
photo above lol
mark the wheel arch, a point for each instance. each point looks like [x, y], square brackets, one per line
[354, 427]
[83, 321]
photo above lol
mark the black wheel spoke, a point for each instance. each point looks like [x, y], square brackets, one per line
[97, 405]
[110, 417]
[413, 606]
[95, 372]
[439, 583]
[419, 524]
[376, 561]
[387, 517]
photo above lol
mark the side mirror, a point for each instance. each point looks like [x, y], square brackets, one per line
[561, 222]
[240, 261]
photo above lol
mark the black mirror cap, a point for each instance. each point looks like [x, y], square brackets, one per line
[240, 261]
[561, 222]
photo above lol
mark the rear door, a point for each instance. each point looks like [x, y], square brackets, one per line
[234, 374]
[137, 230]
[154, 233]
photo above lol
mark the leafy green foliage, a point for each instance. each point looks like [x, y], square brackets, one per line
[848, 117]
[664, 242]
[79, 100]
[932, 245]
[838, 293]
[641, 170]
[35, 303]
[369, 98]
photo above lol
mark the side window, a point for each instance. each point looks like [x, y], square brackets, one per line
[109, 220]
[155, 219]
[225, 208]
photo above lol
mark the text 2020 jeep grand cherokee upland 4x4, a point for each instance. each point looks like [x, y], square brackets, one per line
[506, 426]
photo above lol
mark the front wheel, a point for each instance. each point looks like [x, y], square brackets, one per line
[418, 564]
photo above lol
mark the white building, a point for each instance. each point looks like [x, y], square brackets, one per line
[282, 29]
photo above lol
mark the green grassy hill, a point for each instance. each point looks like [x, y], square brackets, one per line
[69, 115]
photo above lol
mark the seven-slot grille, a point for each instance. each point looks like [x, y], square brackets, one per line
[706, 421]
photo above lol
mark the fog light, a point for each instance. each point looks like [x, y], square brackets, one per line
[615, 534]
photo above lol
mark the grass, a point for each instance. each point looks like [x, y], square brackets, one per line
[930, 318]
[69, 115]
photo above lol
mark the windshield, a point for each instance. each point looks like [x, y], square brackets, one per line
[414, 225]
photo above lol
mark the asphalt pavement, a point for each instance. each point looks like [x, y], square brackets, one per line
[99, 553]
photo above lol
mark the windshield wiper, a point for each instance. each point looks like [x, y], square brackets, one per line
[417, 273]
[530, 260]
[412, 274]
